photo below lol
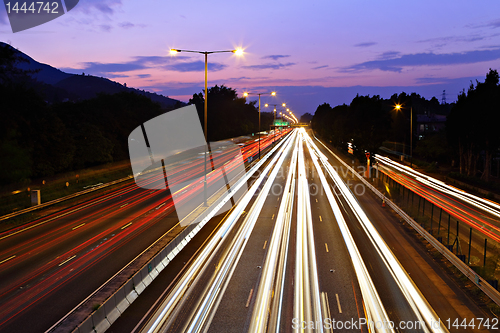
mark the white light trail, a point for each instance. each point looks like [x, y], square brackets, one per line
[268, 302]
[175, 298]
[486, 205]
[418, 303]
[375, 311]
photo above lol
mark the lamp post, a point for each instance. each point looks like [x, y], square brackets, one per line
[274, 119]
[398, 107]
[272, 93]
[206, 53]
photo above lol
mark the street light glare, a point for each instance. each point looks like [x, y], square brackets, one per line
[173, 51]
[398, 106]
[266, 105]
[238, 52]
[245, 94]
[284, 104]
[273, 93]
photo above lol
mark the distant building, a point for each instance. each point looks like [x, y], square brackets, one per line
[429, 123]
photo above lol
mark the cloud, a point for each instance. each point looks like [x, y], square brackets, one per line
[494, 24]
[275, 57]
[366, 44]
[324, 66]
[105, 27]
[126, 25]
[139, 62]
[388, 55]
[425, 59]
[441, 41]
[103, 6]
[269, 66]
[144, 76]
[100, 68]
[195, 66]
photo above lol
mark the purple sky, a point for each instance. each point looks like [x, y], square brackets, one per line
[310, 52]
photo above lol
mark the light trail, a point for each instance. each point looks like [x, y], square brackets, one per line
[453, 202]
[484, 204]
[307, 299]
[175, 297]
[421, 308]
[375, 311]
[267, 308]
[227, 264]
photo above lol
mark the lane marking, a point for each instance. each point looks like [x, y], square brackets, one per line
[249, 298]
[62, 215]
[338, 302]
[12, 257]
[126, 225]
[278, 199]
[123, 205]
[163, 204]
[326, 246]
[316, 200]
[78, 226]
[321, 220]
[65, 261]
[272, 218]
[265, 243]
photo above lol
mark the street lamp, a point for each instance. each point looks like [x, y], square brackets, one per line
[274, 119]
[398, 107]
[272, 93]
[206, 53]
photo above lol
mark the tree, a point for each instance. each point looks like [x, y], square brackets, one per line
[228, 115]
[306, 118]
[473, 125]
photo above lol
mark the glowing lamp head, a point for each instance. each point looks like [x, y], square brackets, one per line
[238, 52]
[284, 104]
[173, 51]
[266, 105]
[245, 94]
[398, 107]
[273, 93]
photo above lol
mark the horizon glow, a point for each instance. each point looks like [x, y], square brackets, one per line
[312, 53]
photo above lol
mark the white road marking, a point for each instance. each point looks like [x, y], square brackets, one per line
[65, 261]
[338, 302]
[12, 257]
[78, 226]
[126, 225]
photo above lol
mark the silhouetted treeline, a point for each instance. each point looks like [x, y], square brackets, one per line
[366, 123]
[473, 126]
[229, 115]
[471, 135]
[369, 121]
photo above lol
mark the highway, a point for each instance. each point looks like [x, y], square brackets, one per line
[299, 251]
[299, 257]
[49, 265]
[473, 212]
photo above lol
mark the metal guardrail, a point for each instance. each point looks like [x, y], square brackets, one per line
[482, 284]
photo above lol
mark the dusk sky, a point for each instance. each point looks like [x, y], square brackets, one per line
[310, 52]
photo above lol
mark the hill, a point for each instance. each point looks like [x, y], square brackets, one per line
[58, 86]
